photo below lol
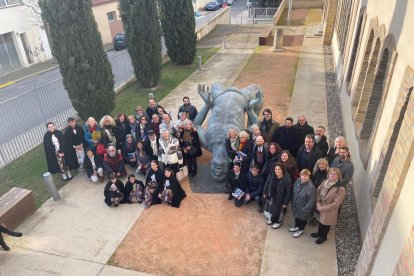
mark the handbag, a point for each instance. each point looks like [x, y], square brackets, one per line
[100, 149]
[182, 173]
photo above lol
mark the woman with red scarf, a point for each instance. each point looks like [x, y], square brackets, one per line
[244, 154]
[89, 128]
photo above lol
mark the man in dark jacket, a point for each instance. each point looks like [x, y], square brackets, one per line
[303, 128]
[237, 179]
[267, 124]
[287, 137]
[308, 154]
[188, 108]
[260, 151]
[321, 140]
[75, 140]
[152, 107]
[344, 164]
[254, 188]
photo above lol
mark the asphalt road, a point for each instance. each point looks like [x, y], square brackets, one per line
[114, 57]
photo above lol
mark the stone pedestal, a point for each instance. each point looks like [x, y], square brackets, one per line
[278, 40]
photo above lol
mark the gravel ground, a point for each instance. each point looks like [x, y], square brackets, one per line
[348, 238]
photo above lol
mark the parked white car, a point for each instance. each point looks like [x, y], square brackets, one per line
[249, 4]
[229, 2]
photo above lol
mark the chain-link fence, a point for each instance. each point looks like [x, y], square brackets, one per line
[23, 117]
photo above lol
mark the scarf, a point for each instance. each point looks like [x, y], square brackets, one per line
[92, 129]
[234, 143]
[187, 135]
[327, 185]
[242, 144]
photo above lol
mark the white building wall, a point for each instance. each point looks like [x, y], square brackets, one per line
[20, 20]
[395, 16]
[398, 229]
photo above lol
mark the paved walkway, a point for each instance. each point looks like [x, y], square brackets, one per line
[79, 234]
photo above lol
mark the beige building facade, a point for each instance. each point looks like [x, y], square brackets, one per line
[107, 17]
[372, 45]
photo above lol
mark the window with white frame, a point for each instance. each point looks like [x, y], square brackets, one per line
[111, 16]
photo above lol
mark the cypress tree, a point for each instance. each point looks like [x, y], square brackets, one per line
[77, 46]
[178, 25]
[143, 38]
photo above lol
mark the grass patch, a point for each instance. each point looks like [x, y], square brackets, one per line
[284, 22]
[314, 17]
[172, 76]
[27, 171]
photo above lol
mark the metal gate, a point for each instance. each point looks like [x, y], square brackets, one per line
[252, 15]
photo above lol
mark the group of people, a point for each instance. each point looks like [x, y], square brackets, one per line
[104, 149]
[271, 164]
[293, 164]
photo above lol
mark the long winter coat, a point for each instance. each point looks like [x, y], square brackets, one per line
[304, 198]
[287, 139]
[75, 139]
[330, 203]
[50, 152]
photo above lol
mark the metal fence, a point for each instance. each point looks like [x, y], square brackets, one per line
[23, 117]
[252, 15]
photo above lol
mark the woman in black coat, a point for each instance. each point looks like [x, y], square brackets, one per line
[320, 172]
[75, 140]
[191, 148]
[134, 190]
[57, 153]
[272, 158]
[114, 191]
[121, 130]
[279, 187]
[152, 181]
[170, 190]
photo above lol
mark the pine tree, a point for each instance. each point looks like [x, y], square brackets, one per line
[178, 25]
[77, 46]
[143, 38]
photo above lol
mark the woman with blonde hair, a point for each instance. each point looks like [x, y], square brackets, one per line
[320, 172]
[329, 197]
[232, 145]
[334, 150]
[191, 147]
[91, 130]
[108, 126]
[245, 151]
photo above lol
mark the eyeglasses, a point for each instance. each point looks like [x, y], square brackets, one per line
[138, 110]
[266, 114]
[107, 121]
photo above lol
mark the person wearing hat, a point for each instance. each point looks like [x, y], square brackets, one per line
[128, 151]
[151, 145]
[75, 140]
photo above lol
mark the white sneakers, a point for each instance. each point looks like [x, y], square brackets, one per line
[293, 229]
[276, 225]
[297, 234]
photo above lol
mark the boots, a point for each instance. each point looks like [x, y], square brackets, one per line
[3, 243]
